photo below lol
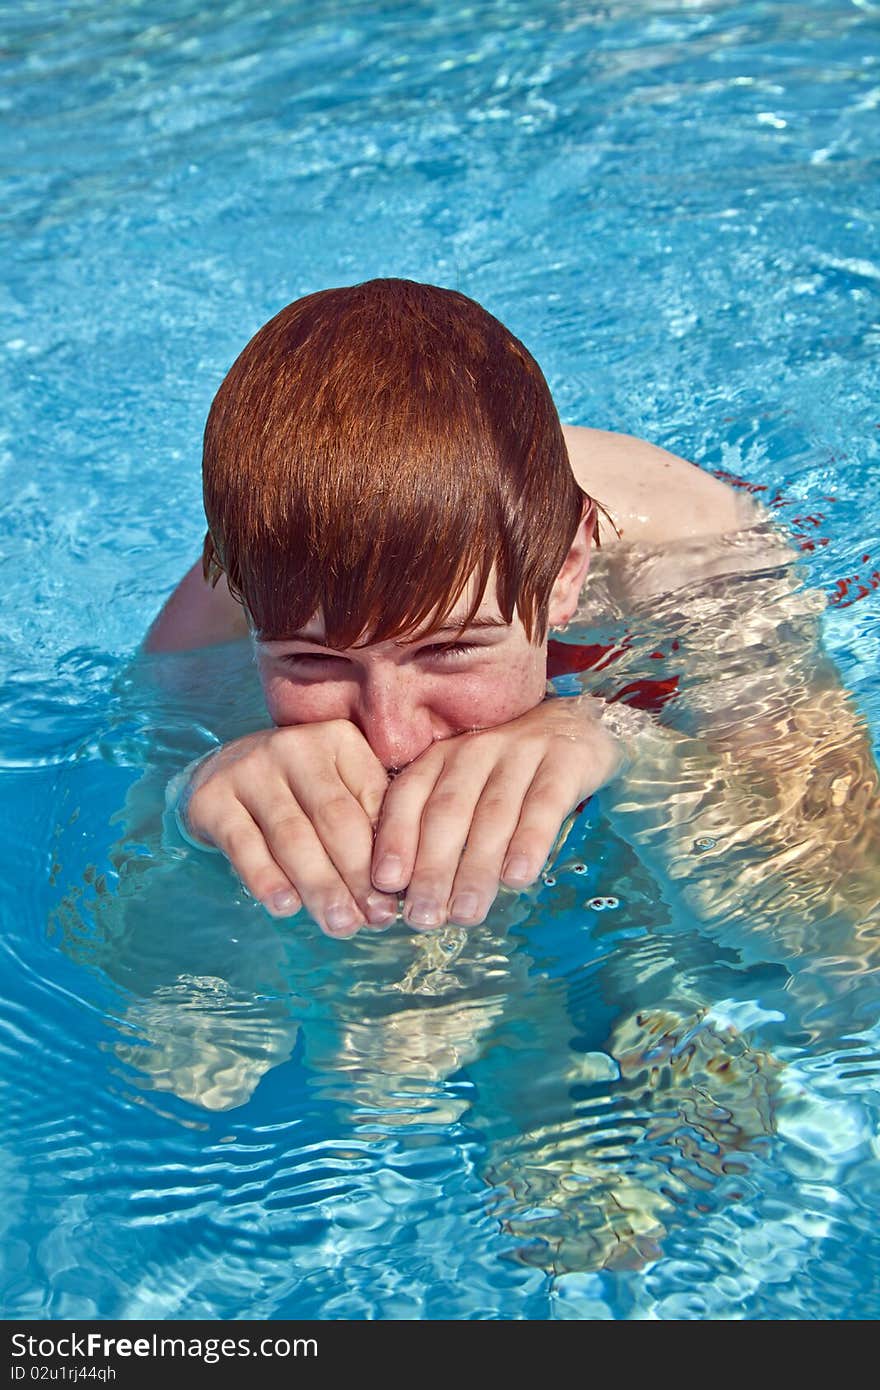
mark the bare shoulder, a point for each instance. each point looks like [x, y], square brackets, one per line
[197, 615]
[651, 494]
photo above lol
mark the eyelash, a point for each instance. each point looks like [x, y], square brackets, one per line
[441, 653]
[450, 649]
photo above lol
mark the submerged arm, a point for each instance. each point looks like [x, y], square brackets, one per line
[763, 810]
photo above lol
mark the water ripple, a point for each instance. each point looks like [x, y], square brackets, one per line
[667, 1109]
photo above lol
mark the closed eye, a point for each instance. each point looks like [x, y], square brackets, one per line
[302, 659]
[447, 650]
[436, 651]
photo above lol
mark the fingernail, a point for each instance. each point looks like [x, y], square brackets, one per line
[388, 871]
[380, 910]
[517, 870]
[465, 905]
[423, 913]
[340, 918]
[283, 903]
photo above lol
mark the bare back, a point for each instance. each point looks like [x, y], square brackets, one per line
[652, 495]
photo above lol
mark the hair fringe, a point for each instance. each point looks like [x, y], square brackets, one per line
[371, 449]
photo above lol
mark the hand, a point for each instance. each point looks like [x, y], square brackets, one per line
[293, 810]
[482, 808]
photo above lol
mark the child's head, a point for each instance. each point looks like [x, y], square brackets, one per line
[373, 449]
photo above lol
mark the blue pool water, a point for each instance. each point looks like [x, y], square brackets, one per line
[649, 1087]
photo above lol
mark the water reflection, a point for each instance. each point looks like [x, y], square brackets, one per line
[766, 770]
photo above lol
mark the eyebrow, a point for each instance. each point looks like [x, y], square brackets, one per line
[446, 630]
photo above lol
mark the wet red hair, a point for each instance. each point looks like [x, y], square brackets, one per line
[373, 447]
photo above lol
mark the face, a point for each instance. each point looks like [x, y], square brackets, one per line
[405, 694]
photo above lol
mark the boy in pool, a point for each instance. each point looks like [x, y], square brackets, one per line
[398, 518]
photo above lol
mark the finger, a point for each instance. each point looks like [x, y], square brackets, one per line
[548, 800]
[397, 835]
[342, 826]
[493, 825]
[292, 843]
[237, 835]
[446, 824]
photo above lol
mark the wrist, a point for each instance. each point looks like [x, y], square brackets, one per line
[178, 794]
[626, 728]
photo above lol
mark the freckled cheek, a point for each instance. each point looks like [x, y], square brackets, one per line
[291, 703]
[493, 696]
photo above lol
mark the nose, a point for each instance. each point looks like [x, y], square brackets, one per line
[394, 721]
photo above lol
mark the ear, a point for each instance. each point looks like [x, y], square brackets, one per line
[570, 580]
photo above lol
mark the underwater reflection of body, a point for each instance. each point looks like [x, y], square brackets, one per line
[586, 1118]
[580, 1043]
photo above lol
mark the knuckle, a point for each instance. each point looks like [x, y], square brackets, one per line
[209, 815]
[434, 876]
[344, 732]
[197, 809]
[373, 777]
[285, 820]
[334, 807]
[295, 743]
[545, 795]
[444, 803]
[495, 806]
[437, 863]
[237, 841]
